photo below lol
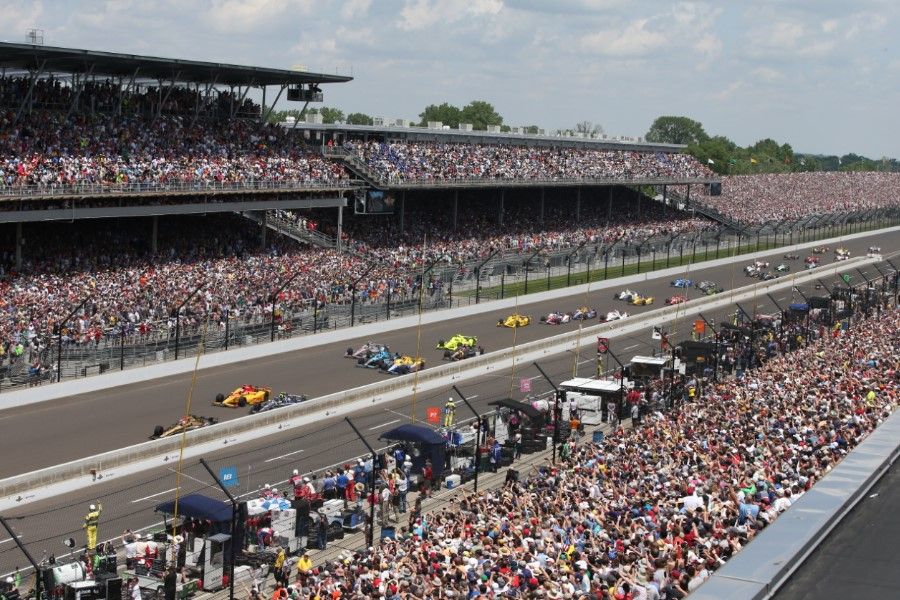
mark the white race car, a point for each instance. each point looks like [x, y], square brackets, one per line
[625, 294]
[615, 315]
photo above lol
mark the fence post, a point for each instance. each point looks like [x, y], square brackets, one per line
[227, 330]
[122, 350]
[548, 276]
[503, 283]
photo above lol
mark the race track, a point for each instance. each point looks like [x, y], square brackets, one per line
[58, 431]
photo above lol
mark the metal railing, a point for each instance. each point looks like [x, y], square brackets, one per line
[163, 188]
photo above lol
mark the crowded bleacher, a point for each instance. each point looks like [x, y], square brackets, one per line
[757, 199]
[653, 510]
[400, 162]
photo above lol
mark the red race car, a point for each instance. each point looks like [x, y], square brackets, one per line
[676, 299]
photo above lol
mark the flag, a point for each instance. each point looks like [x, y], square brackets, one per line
[753, 161]
[710, 161]
[846, 277]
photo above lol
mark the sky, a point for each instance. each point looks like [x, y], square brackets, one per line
[821, 75]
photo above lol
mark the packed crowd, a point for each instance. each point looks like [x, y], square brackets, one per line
[144, 143]
[774, 197]
[654, 510]
[135, 292]
[415, 162]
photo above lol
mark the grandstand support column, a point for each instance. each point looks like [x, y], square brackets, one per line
[263, 217]
[18, 246]
[609, 207]
[500, 216]
[665, 195]
[26, 101]
[578, 204]
[402, 208]
[154, 231]
[340, 228]
[455, 207]
[543, 193]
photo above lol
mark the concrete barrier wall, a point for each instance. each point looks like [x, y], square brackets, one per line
[28, 396]
[259, 425]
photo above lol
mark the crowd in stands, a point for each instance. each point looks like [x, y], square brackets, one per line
[133, 291]
[653, 510]
[423, 162]
[773, 197]
[52, 148]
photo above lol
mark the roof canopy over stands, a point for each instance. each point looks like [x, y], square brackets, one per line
[33, 58]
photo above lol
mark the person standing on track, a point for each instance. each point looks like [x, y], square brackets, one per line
[91, 522]
[449, 412]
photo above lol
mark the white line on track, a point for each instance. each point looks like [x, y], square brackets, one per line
[384, 425]
[153, 495]
[6, 540]
[632, 346]
[472, 397]
[206, 483]
[283, 456]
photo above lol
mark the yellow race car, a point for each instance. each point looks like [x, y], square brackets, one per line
[185, 423]
[243, 396]
[514, 320]
[639, 300]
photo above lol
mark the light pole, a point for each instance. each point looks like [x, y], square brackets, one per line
[59, 330]
[178, 318]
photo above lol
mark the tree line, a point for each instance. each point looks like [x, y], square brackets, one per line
[765, 156]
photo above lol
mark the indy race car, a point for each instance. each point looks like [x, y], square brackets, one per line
[280, 401]
[584, 314]
[244, 395]
[514, 320]
[377, 360]
[462, 353]
[820, 249]
[874, 251]
[615, 315]
[810, 260]
[365, 350]
[185, 423]
[791, 257]
[405, 364]
[556, 318]
[457, 341]
[625, 294]
[841, 253]
[683, 283]
[639, 300]
[709, 287]
[766, 276]
[783, 268]
[677, 299]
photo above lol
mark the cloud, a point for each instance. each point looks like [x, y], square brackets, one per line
[635, 40]
[245, 16]
[355, 8]
[421, 14]
[19, 16]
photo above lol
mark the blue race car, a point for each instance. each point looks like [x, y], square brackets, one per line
[682, 283]
[376, 360]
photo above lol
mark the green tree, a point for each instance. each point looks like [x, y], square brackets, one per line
[279, 116]
[331, 115]
[588, 128]
[532, 129]
[719, 149]
[447, 114]
[481, 114]
[359, 119]
[676, 130]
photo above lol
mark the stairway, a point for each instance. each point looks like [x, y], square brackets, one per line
[356, 165]
[277, 222]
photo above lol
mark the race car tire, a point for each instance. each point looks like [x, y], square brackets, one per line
[349, 351]
[255, 408]
[266, 397]
[158, 431]
[220, 398]
[360, 361]
[447, 354]
[242, 401]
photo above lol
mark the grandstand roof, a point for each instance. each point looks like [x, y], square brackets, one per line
[71, 60]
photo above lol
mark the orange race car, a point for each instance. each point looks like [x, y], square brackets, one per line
[244, 395]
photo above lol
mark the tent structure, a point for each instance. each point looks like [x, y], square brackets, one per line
[536, 416]
[198, 506]
[431, 445]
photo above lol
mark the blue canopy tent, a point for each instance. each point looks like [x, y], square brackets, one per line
[430, 443]
[203, 508]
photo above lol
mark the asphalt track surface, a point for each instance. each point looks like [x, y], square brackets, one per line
[859, 558]
[84, 425]
[45, 436]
